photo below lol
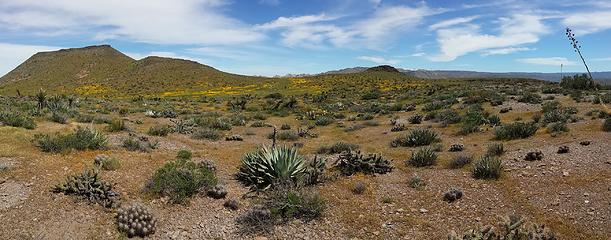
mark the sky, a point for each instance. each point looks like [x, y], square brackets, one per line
[277, 37]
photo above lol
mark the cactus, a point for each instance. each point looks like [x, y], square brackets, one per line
[511, 228]
[534, 156]
[456, 148]
[269, 164]
[352, 162]
[89, 186]
[219, 191]
[135, 220]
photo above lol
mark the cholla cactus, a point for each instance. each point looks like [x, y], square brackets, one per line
[135, 220]
[511, 228]
[89, 186]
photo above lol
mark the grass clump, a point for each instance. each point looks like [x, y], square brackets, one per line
[460, 161]
[517, 130]
[292, 202]
[424, 157]
[416, 138]
[323, 121]
[206, 133]
[557, 127]
[17, 120]
[285, 136]
[495, 149]
[337, 147]
[116, 125]
[161, 130]
[487, 167]
[107, 163]
[80, 139]
[352, 162]
[181, 179]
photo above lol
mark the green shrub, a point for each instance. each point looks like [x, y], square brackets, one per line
[415, 119]
[285, 126]
[285, 136]
[84, 118]
[556, 127]
[17, 120]
[460, 161]
[487, 167]
[184, 154]
[116, 125]
[160, 130]
[423, 157]
[323, 121]
[449, 116]
[416, 138]
[579, 82]
[257, 124]
[58, 117]
[107, 163]
[337, 147]
[206, 133]
[265, 166]
[352, 162]
[417, 182]
[80, 139]
[495, 149]
[181, 179]
[134, 144]
[529, 97]
[290, 202]
[517, 130]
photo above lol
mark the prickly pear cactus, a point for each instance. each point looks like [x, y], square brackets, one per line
[89, 186]
[511, 228]
[135, 220]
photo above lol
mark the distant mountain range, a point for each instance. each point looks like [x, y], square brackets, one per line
[604, 77]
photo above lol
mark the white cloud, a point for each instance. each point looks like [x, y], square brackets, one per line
[384, 24]
[378, 60]
[607, 59]
[418, 54]
[586, 23]
[11, 55]
[452, 22]
[151, 21]
[550, 61]
[514, 31]
[505, 51]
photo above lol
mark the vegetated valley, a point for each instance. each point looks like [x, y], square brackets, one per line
[96, 145]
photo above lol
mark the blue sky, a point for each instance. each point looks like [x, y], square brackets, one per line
[276, 37]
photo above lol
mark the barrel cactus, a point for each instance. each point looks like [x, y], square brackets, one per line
[135, 220]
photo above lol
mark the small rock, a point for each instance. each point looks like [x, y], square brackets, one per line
[565, 174]
[422, 210]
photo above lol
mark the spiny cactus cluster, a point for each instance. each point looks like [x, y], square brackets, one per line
[456, 148]
[89, 186]
[534, 156]
[219, 191]
[563, 149]
[135, 220]
[398, 127]
[234, 138]
[512, 228]
[452, 195]
[353, 162]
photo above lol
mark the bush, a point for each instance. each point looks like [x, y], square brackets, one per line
[107, 163]
[285, 126]
[424, 157]
[417, 182]
[181, 179]
[257, 124]
[487, 167]
[160, 130]
[291, 202]
[359, 188]
[17, 120]
[84, 118]
[58, 117]
[206, 133]
[415, 119]
[135, 144]
[184, 154]
[352, 162]
[557, 127]
[579, 82]
[80, 139]
[517, 130]
[337, 147]
[323, 121]
[529, 97]
[460, 161]
[416, 138]
[116, 125]
[285, 136]
[449, 116]
[265, 166]
[495, 149]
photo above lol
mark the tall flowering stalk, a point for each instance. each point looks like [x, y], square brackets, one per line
[569, 34]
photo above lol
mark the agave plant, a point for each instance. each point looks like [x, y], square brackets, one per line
[261, 168]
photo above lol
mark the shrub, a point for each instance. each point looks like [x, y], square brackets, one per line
[352, 162]
[417, 182]
[89, 186]
[359, 188]
[116, 125]
[285, 126]
[495, 149]
[487, 167]
[261, 168]
[415, 119]
[257, 219]
[456, 148]
[460, 161]
[607, 125]
[417, 137]
[181, 179]
[579, 82]
[517, 130]
[107, 163]
[17, 120]
[84, 118]
[337, 147]
[424, 157]
[134, 144]
[557, 127]
[58, 117]
[323, 121]
[291, 202]
[449, 116]
[80, 139]
[257, 124]
[285, 136]
[160, 130]
[206, 133]
[354, 127]
[184, 154]
[529, 97]
[231, 204]
[398, 128]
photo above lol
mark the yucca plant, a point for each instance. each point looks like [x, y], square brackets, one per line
[267, 165]
[416, 138]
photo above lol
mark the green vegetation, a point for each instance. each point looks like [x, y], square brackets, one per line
[181, 179]
[487, 167]
[352, 162]
[517, 130]
[337, 147]
[107, 163]
[89, 186]
[423, 157]
[265, 166]
[14, 119]
[80, 139]
[416, 138]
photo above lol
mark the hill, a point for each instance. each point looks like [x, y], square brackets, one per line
[102, 70]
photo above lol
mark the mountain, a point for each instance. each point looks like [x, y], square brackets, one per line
[102, 70]
[383, 68]
[604, 77]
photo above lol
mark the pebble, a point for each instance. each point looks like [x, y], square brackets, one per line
[422, 210]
